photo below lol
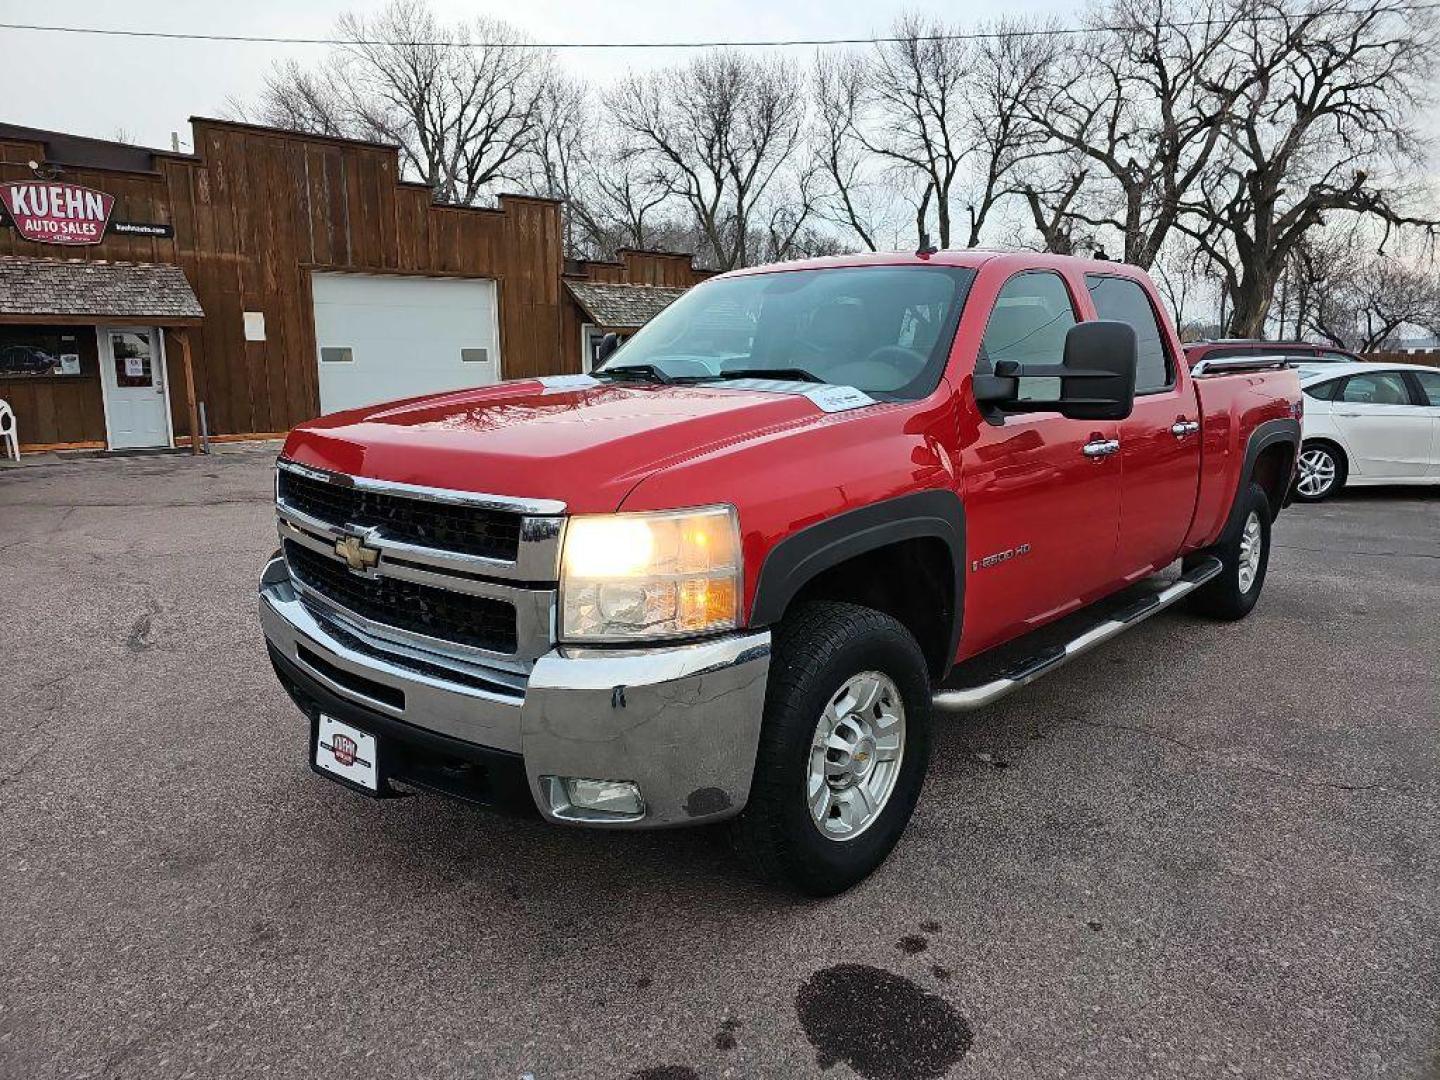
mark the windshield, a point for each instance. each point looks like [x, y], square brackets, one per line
[885, 330]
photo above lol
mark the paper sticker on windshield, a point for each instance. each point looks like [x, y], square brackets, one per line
[839, 398]
[826, 398]
[558, 383]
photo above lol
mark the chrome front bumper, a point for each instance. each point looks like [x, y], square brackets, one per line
[681, 722]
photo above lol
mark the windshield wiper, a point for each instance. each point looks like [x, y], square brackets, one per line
[642, 372]
[793, 374]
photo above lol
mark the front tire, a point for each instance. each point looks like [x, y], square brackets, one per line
[843, 749]
[1244, 554]
[1321, 474]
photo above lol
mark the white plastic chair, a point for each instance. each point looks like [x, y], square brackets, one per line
[9, 431]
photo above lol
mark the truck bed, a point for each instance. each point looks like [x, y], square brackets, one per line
[1233, 403]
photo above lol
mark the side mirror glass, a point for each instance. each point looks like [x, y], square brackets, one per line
[1096, 373]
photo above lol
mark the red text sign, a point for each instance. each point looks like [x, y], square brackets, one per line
[51, 213]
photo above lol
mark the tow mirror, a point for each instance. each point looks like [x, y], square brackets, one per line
[608, 344]
[1097, 376]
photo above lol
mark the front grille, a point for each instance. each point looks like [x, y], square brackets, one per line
[478, 621]
[470, 530]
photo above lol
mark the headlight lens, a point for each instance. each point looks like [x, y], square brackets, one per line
[629, 577]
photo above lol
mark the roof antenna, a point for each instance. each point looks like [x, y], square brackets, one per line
[926, 248]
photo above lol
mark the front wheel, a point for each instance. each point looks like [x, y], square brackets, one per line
[843, 749]
[1244, 555]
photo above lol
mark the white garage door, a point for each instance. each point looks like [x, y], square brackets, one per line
[382, 337]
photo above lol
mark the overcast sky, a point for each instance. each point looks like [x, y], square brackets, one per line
[99, 86]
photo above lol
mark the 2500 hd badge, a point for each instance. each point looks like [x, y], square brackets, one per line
[737, 572]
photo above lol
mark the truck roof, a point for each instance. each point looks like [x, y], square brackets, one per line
[970, 258]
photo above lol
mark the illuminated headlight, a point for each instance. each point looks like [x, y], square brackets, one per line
[633, 577]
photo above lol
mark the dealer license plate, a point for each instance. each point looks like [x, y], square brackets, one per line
[347, 752]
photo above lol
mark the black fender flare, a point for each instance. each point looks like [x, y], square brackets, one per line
[1265, 435]
[808, 552]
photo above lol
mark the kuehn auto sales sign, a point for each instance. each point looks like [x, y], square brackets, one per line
[50, 213]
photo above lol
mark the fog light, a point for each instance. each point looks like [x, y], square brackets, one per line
[573, 793]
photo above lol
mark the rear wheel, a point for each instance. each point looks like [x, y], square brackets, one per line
[843, 749]
[1321, 472]
[1244, 554]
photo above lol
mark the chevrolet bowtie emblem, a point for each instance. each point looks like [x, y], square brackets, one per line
[356, 554]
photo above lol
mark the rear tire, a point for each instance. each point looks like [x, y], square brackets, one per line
[1244, 553]
[1322, 471]
[843, 749]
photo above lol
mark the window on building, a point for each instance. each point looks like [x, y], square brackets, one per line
[41, 352]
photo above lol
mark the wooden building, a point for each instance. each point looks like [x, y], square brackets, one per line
[310, 278]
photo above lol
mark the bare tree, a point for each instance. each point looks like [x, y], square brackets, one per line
[1141, 100]
[297, 98]
[1051, 187]
[1007, 71]
[857, 199]
[722, 131]
[1321, 124]
[462, 102]
[930, 119]
[1362, 302]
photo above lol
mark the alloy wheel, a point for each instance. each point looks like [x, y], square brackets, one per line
[1317, 472]
[855, 756]
[1252, 544]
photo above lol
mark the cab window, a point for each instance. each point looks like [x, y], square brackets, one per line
[1028, 324]
[1122, 300]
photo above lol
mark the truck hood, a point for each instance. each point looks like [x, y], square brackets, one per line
[585, 445]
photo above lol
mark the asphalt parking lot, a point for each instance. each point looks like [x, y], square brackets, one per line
[1207, 850]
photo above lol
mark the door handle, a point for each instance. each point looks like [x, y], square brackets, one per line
[1182, 428]
[1100, 448]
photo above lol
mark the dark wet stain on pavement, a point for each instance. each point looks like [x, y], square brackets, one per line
[911, 944]
[725, 1037]
[706, 800]
[881, 1025]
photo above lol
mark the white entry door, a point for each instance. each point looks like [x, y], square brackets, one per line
[383, 336]
[132, 368]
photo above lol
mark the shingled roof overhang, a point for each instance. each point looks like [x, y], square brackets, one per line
[77, 292]
[621, 307]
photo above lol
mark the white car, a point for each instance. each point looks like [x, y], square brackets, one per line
[1368, 424]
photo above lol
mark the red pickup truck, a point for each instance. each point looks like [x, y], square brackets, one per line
[732, 573]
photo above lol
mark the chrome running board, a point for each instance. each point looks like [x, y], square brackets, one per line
[1042, 663]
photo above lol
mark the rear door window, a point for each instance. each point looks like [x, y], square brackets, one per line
[1429, 384]
[1122, 300]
